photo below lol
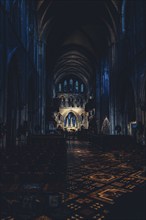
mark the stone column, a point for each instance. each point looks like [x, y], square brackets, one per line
[41, 85]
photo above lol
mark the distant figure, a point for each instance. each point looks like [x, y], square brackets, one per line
[118, 129]
[105, 129]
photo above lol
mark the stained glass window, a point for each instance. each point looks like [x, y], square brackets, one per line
[123, 16]
[59, 87]
[65, 85]
[82, 87]
[76, 86]
[70, 85]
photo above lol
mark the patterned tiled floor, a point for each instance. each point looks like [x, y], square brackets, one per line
[94, 181]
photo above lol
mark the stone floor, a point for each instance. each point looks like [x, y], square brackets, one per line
[94, 182]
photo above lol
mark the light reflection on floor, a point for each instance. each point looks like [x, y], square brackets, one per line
[94, 181]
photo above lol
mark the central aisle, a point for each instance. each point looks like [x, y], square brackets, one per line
[87, 183]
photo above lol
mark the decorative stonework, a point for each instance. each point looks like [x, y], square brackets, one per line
[71, 115]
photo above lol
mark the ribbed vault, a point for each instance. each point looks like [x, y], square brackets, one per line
[73, 62]
[90, 25]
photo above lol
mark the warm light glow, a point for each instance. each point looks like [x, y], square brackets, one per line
[81, 118]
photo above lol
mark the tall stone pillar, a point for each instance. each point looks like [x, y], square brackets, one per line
[98, 95]
[41, 85]
[112, 90]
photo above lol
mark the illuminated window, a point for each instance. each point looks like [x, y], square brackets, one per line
[76, 86]
[123, 16]
[65, 85]
[82, 87]
[70, 120]
[59, 87]
[70, 85]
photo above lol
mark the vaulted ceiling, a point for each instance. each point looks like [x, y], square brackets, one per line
[77, 32]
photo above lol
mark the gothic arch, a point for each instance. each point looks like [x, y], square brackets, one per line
[69, 112]
[66, 122]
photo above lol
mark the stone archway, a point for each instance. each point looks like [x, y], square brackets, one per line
[71, 121]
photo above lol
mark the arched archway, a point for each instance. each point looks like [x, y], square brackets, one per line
[70, 121]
